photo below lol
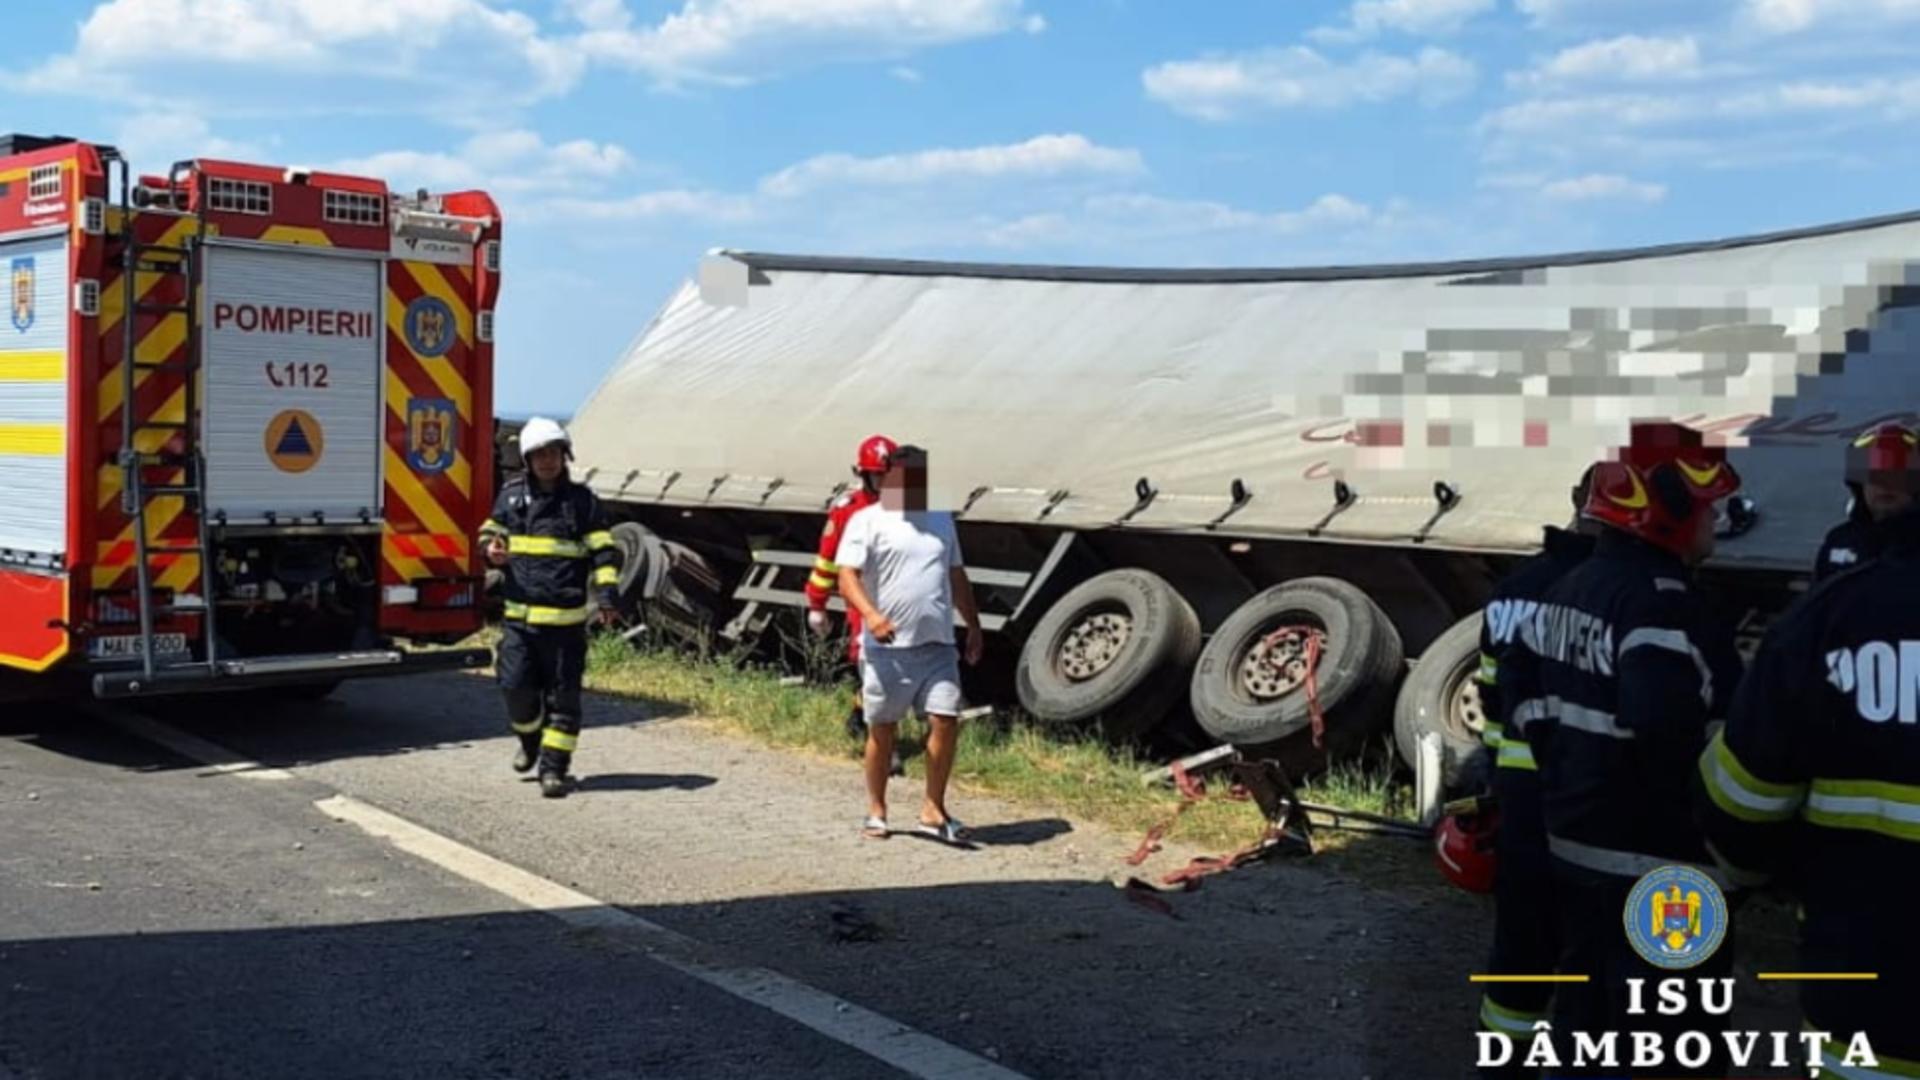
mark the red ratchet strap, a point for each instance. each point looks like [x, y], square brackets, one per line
[1316, 644]
[1193, 791]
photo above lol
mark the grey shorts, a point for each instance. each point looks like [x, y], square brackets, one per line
[925, 678]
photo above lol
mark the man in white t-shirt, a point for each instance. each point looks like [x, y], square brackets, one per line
[900, 568]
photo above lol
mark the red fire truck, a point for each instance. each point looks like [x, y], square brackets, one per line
[245, 423]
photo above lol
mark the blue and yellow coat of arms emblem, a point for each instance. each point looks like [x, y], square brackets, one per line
[21, 291]
[430, 326]
[431, 444]
[1676, 917]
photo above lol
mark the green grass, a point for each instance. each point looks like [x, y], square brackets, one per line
[1042, 769]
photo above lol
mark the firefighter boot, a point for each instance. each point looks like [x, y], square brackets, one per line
[556, 753]
[523, 712]
[528, 753]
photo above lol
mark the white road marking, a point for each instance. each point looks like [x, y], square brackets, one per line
[912, 1052]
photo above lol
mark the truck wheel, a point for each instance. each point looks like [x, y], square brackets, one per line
[1114, 648]
[1249, 688]
[633, 540]
[1441, 696]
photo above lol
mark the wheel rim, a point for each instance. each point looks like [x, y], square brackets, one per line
[1093, 644]
[1465, 713]
[1275, 665]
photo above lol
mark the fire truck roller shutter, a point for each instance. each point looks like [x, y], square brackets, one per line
[33, 398]
[294, 347]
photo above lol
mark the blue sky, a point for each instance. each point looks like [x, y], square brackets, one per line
[626, 137]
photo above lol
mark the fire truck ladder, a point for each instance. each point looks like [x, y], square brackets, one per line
[183, 263]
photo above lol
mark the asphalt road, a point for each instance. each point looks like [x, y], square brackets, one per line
[362, 887]
[162, 921]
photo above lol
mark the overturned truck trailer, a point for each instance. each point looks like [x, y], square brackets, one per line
[1188, 487]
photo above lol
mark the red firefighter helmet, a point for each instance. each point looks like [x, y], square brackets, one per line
[1662, 484]
[875, 454]
[1888, 454]
[1463, 849]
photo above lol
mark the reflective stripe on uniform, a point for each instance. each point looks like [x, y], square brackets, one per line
[1892, 810]
[537, 615]
[555, 739]
[1489, 673]
[546, 545]
[600, 540]
[1567, 714]
[1515, 754]
[1673, 641]
[526, 727]
[1833, 1058]
[1621, 863]
[1739, 793]
[1492, 735]
[606, 575]
[821, 581]
[1495, 1017]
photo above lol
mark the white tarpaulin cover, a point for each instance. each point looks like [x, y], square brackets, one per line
[1034, 387]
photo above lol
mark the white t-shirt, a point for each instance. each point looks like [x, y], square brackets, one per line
[904, 558]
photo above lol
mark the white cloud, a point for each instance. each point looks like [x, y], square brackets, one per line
[905, 74]
[1217, 88]
[1041, 156]
[1627, 58]
[673, 205]
[153, 140]
[1367, 18]
[139, 48]
[1598, 186]
[1792, 16]
[739, 41]
[505, 163]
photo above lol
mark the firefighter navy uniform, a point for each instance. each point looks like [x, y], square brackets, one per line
[1525, 937]
[1815, 782]
[1613, 691]
[562, 563]
[1848, 544]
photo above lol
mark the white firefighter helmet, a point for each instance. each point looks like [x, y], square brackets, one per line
[540, 432]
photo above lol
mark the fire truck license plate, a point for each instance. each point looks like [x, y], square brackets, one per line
[109, 648]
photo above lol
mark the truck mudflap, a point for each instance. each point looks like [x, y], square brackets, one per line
[262, 671]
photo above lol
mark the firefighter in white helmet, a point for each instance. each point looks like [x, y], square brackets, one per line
[562, 570]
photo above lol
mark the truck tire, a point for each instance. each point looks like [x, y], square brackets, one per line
[1114, 649]
[634, 541]
[1440, 696]
[1240, 700]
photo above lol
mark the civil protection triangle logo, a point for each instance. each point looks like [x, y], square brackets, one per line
[1676, 917]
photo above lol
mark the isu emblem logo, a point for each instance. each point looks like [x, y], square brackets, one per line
[430, 326]
[22, 292]
[430, 434]
[1676, 917]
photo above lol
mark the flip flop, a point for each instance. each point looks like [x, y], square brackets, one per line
[875, 828]
[950, 831]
